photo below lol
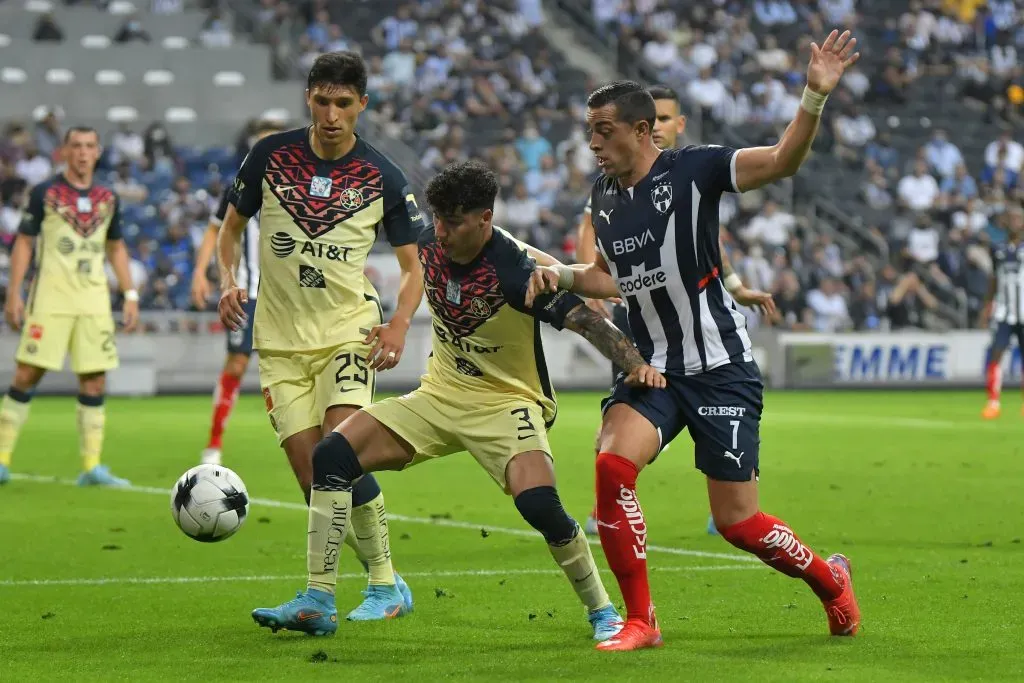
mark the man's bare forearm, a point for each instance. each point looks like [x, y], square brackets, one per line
[605, 337]
[229, 247]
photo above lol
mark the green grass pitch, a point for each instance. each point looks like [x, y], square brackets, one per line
[924, 498]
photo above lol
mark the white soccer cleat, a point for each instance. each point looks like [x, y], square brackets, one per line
[210, 456]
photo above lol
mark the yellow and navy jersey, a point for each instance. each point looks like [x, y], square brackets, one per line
[72, 227]
[318, 220]
[486, 341]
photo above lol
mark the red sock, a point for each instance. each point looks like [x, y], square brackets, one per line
[994, 380]
[224, 396]
[624, 532]
[777, 546]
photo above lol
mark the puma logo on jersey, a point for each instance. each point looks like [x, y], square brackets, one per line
[631, 244]
[606, 215]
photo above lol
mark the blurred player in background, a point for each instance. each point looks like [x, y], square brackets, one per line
[1004, 305]
[239, 341]
[486, 391]
[322, 194]
[669, 125]
[658, 250]
[77, 223]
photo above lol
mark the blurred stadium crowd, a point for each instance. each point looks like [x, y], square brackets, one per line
[889, 227]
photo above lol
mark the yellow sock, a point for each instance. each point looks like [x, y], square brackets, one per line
[328, 519]
[577, 562]
[13, 413]
[91, 421]
[370, 524]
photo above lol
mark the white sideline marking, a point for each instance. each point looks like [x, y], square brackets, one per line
[121, 581]
[450, 523]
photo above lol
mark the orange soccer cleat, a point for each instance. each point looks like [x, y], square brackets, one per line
[635, 635]
[843, 612]
[991, 411]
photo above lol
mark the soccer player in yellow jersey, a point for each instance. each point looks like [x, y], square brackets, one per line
[486, 391]
[323, 194]
[74, 224]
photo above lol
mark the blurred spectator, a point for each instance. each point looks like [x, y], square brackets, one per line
[47, 30]
[127, 145]
[771, 227]
[923, 242]
[960, 184]
[918, 191]
[1005, 153]
[33, 166]
[791, 305]
[130, 190]
[971, 218]
[943, 156]
[864, 310]
[909, 303]
[48, 135]
[532, 147]
[828, 307]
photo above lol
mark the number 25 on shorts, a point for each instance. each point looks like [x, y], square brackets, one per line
[352, 373]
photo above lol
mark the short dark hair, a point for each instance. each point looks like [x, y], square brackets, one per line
[462, 186]
[631, 100]
[663, 92]
[80, 129]
[338, 68]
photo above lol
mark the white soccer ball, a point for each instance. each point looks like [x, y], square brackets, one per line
[209, 503]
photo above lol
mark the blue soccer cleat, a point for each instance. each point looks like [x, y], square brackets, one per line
[406, 592]
[5, 474]
[712, 529]
[606, 622]
[312, 612]
[381, 602]
[101, 476]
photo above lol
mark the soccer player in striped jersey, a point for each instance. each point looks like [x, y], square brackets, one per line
[658, 250]
[669, 124]
[239, 342]
[1004, 306]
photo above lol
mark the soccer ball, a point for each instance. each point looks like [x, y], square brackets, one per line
[209, 503]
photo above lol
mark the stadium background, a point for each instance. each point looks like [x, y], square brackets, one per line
[886, 229]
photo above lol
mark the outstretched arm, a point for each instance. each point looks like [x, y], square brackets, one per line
[757, 166]
[607, 339]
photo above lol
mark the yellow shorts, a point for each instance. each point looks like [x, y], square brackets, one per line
[493, 431]
[47, 338]
[299, 386]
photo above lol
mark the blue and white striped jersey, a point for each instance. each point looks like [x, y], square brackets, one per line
[1008, 270]
[248, 274]
[660, 240]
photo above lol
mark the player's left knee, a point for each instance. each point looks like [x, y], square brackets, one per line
[335, 464]
[542, 509]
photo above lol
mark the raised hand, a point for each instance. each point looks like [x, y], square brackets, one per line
[830, 61]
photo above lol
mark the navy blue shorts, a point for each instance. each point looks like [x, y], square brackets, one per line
[240, 340]
[1002, 334]
[721, 408]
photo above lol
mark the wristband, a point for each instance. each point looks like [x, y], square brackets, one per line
[813, 102]
[566, 276]
[732, 282]
[132, 295]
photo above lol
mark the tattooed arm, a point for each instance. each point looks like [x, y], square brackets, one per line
[614, 345]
